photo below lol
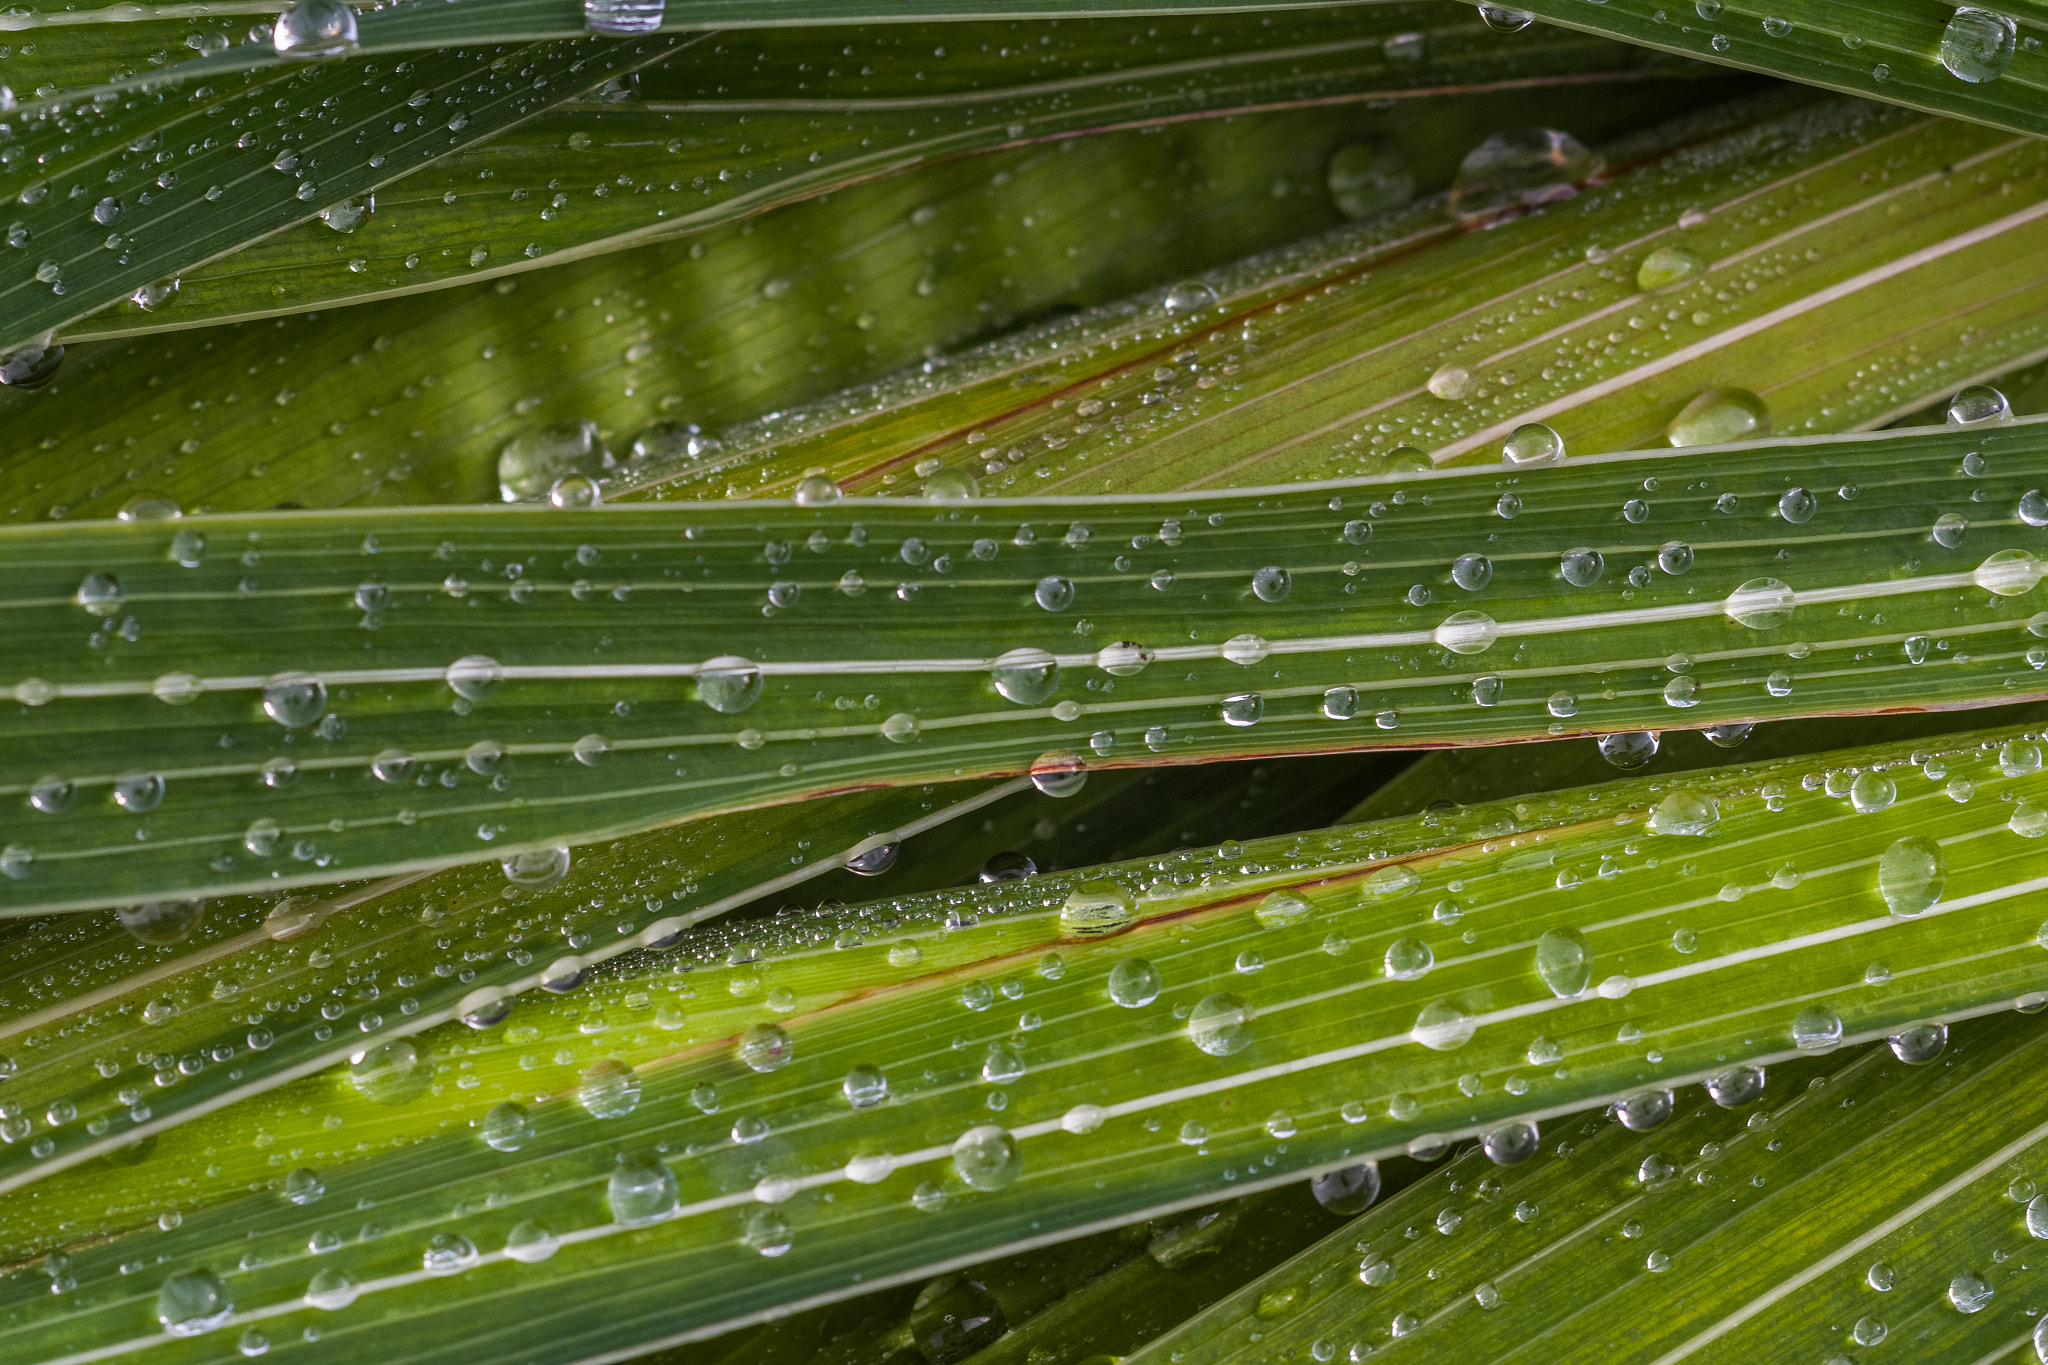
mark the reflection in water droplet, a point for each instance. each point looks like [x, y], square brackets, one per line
[1977, 44]
[986, 1158]
[1564, 962]
[2009, 573]
[1644, 1110]
[728, 684]
[642, 1189]
[1911, 874]
[954, 1318]
[609, 1089]
[1443, 1026]
[506, 1128]
[161, 922]
[1190, 296]
[190, 1302]
[1512, 1143]
[1348, 1191]
[448, 1253]
[1581, 567]
[1523, 167]
[294, 700]
[1059, 774]
[394, 1071]
[332, 1289]
[1816, 1029]
[1467, 632]
[1629, 749]
[765, 1047]
[1979, 402]
[1968, 1293]
[1737, 1086]
[1760, 604]
[536, 869]
[1920, 1043]
[1532, 443]
[313, 29]
[1684, 813]
[1718, 417]
[1408, 959]
[1220, 1024]
[1668, 267]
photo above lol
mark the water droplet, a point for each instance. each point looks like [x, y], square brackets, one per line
[100, 593]
[641, 1190]
[1629, 749]
[1581, 567]
[2009, 573]
[1872, 792]
[1512, 1143]
[1977, 45]
[2028, 820]
[1968, 1293]
[1467, 632]
[1718, 417]
[1564, 962]
[1220, 1024]
[506, 1127]
[874, 855]
[1007, 867]
[1190, 296]
[1920, 1043]
[332, 1289]
[1134, 983]
[728, 684]
[765, 1047]
[314, 28]
[1668, 267]
[1760, 604]
[190, 1302]
[1523, 167]
[2033, 508]
[1532, 443]
[1443, 1026]
[609, 1089]
[161, 922]
[1083, 1118]
[1272, 583]
[32, 364]
[1408, 959]
[1911, 874]
[294, 700]
[1366, 179]
[1737, 1086]
[1026, 676]
[1053, 594]
[394, 1071]
[951, 485]
[1684, 813]
[1816, 1029]
[1349, 1190]
[1281, 908]
[530, 1242]
[1451, 382]
[1245, 650]
[448, 1253]
[1242, 709]
[816, 489]
[986, 1158]
[536, 869]
[1644, 1110]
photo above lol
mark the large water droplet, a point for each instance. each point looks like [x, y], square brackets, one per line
[1532, 443]
[1968, 1293]
[1684, 812]
[160, 922]
[1977, 45]
[536, 869]
[294, 700]
[1190, 296]
[530, 1242]
[1581, 567]
[189, 1302]
[1717, 417]
[1094, 908]
[609, 1089]
[314, 28]
[1134, 983]
[1666, 268]
[1816, 1029]
[1564, 962]
[1760, 604]
[1220, 1024]
[448, 1253]
[473, 676]
[1523, 167]
[32, 364]
[1512, 1143]
[2009, 573]
[874, 855]
[1272, 583]
[728, 684]
[1059, 773]
[394, 1071]
[1916, 1044]
[1026, 676]
[100, 593]
[1349, 1190]
[1366, 179]
[1443, 1026]
[642, 1189]
[1644, 1110]
[1737, 1086]
[986, 1158]
[529, 464]
[1629, 749]
[1053, 593]
[1408, 959]
[765, 1047]
[506, 1127]
[332, 1289]
[954, 1318]
[1911, 874]
[1242, 709]
[1467, 632]
[951, 485]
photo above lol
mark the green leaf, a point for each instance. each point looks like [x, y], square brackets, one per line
[93, 226]
[1987, 69]
[746, 121]
[192, 993]
[1748, 943]
[229, 686]
[1848, 220]
[1867, 1203]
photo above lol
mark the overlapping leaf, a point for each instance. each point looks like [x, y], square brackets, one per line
[1868, 1202]
[746, 121]
[864, 1096]
[389, 692]
[1699, 272]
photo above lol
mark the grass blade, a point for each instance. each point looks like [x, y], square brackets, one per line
[1772, 956]
[512, 708]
